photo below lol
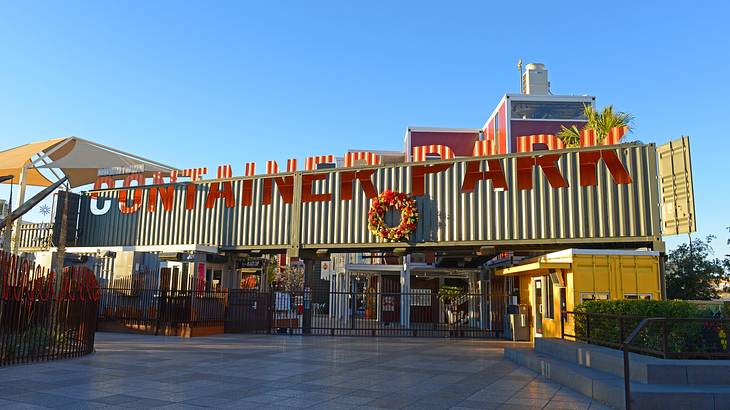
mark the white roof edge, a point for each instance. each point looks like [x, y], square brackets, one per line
[618, 252]
[369, 267]
[148, 248]
[444, 129]
[550, 96]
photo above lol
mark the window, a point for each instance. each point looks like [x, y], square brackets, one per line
[548, 110]
[637, 296]
[594, 296]
[549, 301]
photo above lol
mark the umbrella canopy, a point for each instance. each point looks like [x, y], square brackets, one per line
[80, 161]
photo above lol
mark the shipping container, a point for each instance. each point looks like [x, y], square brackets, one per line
[544, 217]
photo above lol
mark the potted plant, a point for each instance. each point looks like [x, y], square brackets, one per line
[600, 122]
[450, 296]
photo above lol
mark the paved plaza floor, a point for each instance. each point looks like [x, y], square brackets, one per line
[266, 372]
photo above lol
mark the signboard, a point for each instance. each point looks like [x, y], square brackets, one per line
[557, 198]
[125, 170]
[520, 177]
[328, 269]
[388, 303]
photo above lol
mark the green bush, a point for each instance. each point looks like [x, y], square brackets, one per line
[686, 336]
[642, 308]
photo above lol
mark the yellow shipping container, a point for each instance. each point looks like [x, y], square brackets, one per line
[559, 281]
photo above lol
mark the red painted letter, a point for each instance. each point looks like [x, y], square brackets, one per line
[366, 182]
[474, 174]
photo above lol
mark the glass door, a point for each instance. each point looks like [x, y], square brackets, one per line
[537, 310]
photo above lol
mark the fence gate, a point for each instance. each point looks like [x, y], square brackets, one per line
[318, 312]
[324, 312]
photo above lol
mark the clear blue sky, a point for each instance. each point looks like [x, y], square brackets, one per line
[205, 83]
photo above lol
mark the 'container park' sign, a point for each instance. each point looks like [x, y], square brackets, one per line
[556, 198]
[476, 171]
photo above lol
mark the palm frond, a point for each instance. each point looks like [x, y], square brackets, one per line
[569, 136]
[603, 122]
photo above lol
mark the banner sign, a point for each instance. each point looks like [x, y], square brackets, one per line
[477, 170]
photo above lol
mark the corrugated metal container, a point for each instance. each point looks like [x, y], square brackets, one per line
[256, 225]
[607, 212]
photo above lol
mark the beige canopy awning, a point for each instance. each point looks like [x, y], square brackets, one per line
[13, 160]
[79, 159]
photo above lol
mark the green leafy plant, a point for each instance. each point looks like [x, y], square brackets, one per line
[603, 122]
[599, 122]
[450, 294]
[693, 273]
[708, 335]
[570, 136]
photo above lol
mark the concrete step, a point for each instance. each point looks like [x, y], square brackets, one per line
[601, 386]
[609, 388]
[644, 369]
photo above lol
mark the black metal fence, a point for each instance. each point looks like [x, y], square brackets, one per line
[673, 338]
[299, 312]
[44, 316]
[178, 312]
[668, 338]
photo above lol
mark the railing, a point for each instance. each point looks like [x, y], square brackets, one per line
[34, 236]
[44, 316]
[170, 311]
[393, 314]
[297, 312]
[668, 338]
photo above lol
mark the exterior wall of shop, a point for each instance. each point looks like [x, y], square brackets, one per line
[619, 276]
[603, 276]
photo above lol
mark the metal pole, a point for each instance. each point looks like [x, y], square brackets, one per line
[664, 337]
[627, 379]
[22, 183]
[61, 245]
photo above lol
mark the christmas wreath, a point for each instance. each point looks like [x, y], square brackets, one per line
[408, 215]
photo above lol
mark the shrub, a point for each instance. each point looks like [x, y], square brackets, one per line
[682, 336]
[642, 308]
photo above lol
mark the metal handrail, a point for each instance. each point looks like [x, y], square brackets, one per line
[628, 344]
[625, 348]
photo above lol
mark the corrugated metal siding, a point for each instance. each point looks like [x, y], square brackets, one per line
[256, 225]
[542, 213]
[446, 215]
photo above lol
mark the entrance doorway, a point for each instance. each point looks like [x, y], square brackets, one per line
[537, 304]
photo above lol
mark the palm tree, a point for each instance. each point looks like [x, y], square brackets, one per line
[599, 122]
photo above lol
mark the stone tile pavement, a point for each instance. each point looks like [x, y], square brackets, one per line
[280, 372]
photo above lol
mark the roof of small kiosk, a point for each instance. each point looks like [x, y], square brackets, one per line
[78, 159]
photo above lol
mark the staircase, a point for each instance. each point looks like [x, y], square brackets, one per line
[597, 372]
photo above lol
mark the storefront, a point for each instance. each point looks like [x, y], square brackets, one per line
[559, 281]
